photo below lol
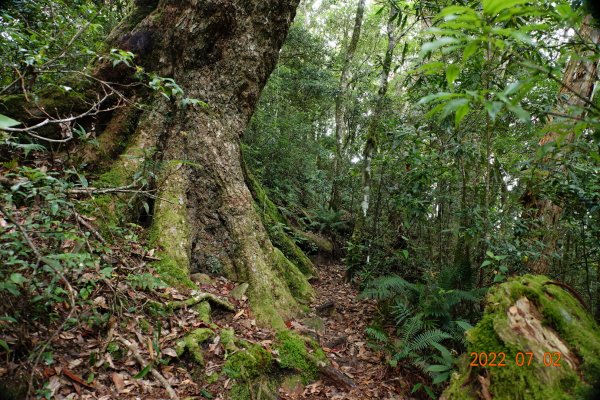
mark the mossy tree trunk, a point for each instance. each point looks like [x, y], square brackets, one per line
[220, 52]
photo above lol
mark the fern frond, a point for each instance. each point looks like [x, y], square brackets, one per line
[425, 339]
[411, 328]
[377, 334]
[401, 312]
[387, 287]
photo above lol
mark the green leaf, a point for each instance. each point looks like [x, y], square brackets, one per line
[18, 278]
[489, 254]
[452, 73]
[7, 122]
[456, 10]
[416, 387]
[436, 44]
[464, 324]
[441, 378]
[453, 105]
[4, 345]
[437, 368]
[523, 115]
[430, 392]
[493, 7]
[144, 372]
[493, 108]
[486, 263]
[470, 49]
[437, 96]
[51, 263]
[461, 113]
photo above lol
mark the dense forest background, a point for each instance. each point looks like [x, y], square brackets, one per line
[436, 149]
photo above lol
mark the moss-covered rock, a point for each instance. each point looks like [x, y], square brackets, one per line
[204, 310]
[531, 314]
[228, 340]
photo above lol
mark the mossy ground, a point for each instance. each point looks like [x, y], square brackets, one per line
[248, 363]
[561, 312]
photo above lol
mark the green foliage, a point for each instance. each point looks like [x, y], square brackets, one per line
[145, 281]
[50, 257]
[425, 324]
[286, 141]
[328, 221]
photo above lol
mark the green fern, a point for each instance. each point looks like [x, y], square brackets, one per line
[426, 327]
[377, 334]
[387, 287]
[425, 339]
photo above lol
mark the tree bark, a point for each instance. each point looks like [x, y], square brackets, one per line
[336, 200]
[221, 52]
[359, 233]
[576, 92]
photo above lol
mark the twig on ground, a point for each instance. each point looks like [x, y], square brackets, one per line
[86, 224]
[136, 354]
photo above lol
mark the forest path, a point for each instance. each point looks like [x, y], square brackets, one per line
[338, 322]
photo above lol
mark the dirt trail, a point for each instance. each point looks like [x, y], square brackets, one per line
[338, 321]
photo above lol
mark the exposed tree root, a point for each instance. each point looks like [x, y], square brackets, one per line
[198, 298]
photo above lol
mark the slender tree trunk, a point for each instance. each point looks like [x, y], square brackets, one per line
[576, 92]
[221, 52]
[335, 199]
[373, 130]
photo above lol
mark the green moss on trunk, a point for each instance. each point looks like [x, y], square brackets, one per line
[276, 224]
[564, 326]
[297, 283]
[170, 230]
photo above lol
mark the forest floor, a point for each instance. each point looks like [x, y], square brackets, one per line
[90, 364]
[339, 321]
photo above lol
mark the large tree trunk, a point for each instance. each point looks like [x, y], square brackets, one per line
[221, 52]
[576, 92]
